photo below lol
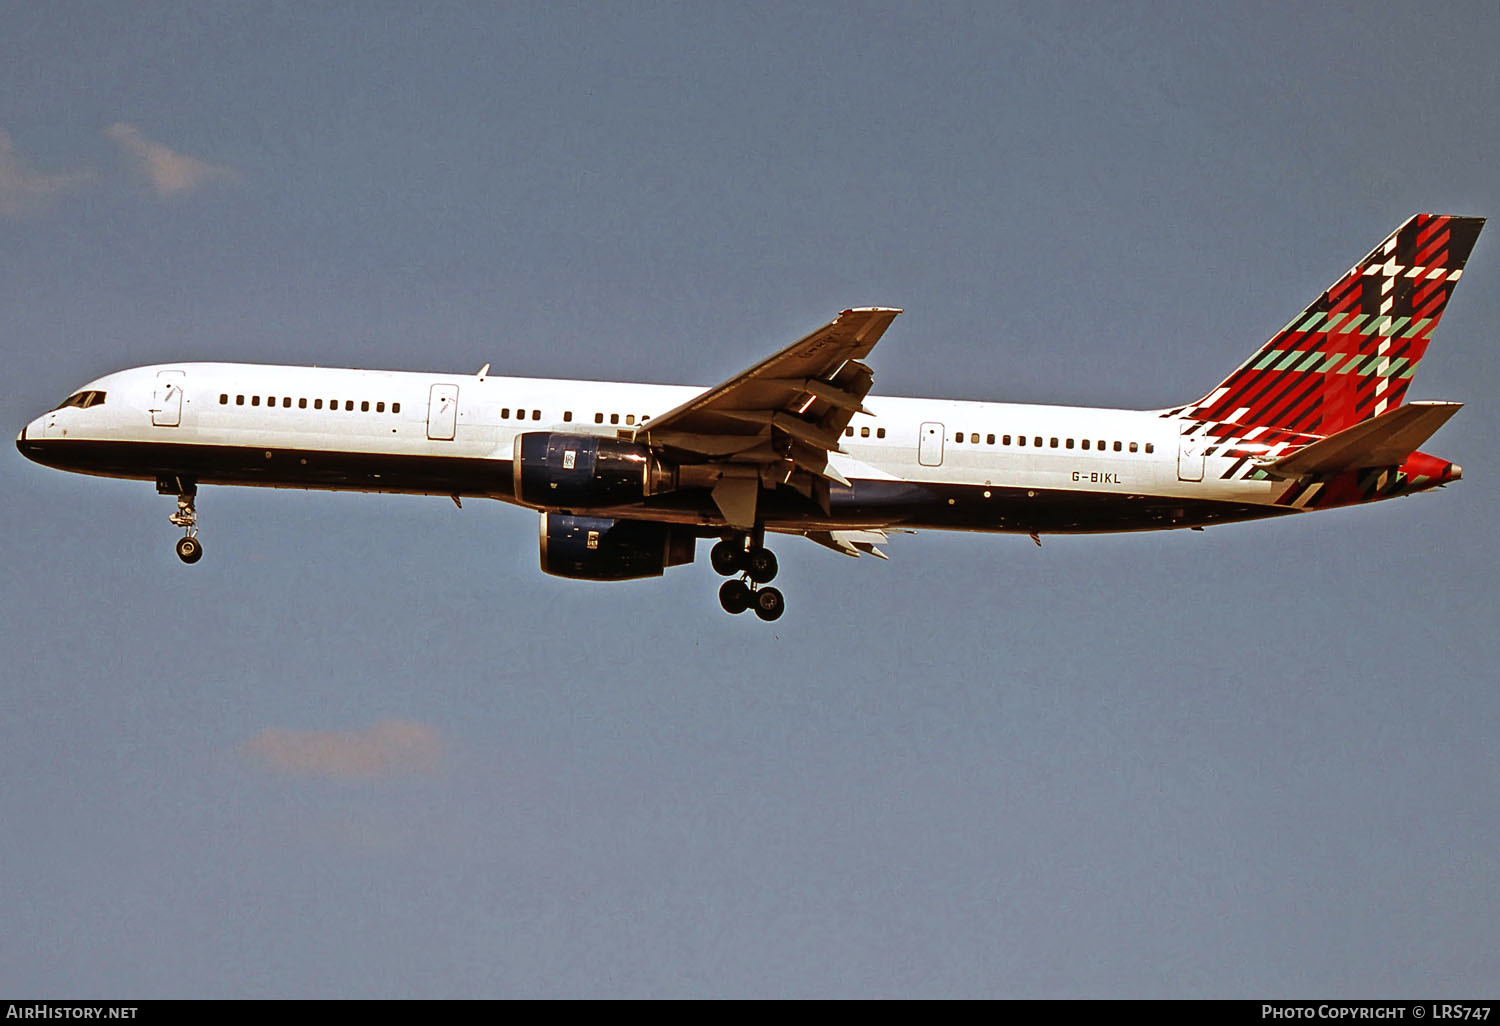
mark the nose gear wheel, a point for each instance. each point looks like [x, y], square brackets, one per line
[189, 548]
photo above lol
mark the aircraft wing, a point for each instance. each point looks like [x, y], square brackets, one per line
[777, 422]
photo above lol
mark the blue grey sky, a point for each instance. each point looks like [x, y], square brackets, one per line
[366, 748]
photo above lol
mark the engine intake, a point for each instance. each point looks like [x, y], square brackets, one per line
[600, 549]
[560, 471]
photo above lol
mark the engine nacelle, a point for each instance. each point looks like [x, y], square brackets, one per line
[598, 549]
[560, 471]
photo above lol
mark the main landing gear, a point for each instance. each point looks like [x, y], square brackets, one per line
[189, 548]
[747, 557]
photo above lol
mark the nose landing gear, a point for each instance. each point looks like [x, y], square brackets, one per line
[189, 548]
[755, 565]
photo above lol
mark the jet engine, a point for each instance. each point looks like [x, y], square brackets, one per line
[599, 549]
[561, 471]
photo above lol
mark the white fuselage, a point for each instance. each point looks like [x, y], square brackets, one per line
[975, 464]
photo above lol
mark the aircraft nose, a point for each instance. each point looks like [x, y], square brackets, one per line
[29, 442]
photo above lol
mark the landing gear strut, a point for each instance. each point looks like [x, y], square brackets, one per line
[189, 548]
[746, 558]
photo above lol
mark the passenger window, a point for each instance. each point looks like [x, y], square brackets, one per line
[239, 400]
[630, 418]
[1005, 439]
[880, 432]
[1085, 443]
[598, 418]
[959, 437]
[380, 407]
[286, 402]
[848, 432]
[1069, 444]
[395, 407]
[1117, 447]
[614, 418]
[989, 439]
[317, 404]
[255, 400]
[536, 414]
[1150, 447]
[567, 415]
[364, 406]
[348, 405]
[1020, 439]
[505, 413]
[1037, 441]
[1133, 447]
[302, 404]
[223, 399]
[1054, 443]
[974, 438]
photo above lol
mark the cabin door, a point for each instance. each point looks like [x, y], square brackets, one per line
[1190, 453]
[442, 413]
[930, 445]
[166, 400]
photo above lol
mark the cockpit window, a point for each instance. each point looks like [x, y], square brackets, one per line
[83, 400]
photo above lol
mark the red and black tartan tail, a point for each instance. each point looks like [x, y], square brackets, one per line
[1350, 355]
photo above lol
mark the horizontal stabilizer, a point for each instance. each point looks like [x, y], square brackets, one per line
[1383, 441]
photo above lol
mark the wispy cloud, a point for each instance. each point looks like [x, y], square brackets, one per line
[24, 191]
[169, 172]
[386, 749]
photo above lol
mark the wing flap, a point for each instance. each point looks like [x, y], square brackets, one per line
[851, 543]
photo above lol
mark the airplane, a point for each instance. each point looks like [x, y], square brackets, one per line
[628, 477]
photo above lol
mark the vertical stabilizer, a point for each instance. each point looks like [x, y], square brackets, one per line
[1351, 355]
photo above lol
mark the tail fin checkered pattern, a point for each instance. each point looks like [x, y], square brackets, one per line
[1352, 353]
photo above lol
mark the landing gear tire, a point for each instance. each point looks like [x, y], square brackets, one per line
[735, 596]
[746, 555]
[727, 558]
[760, 565]
[189, 549]
[769, 605]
